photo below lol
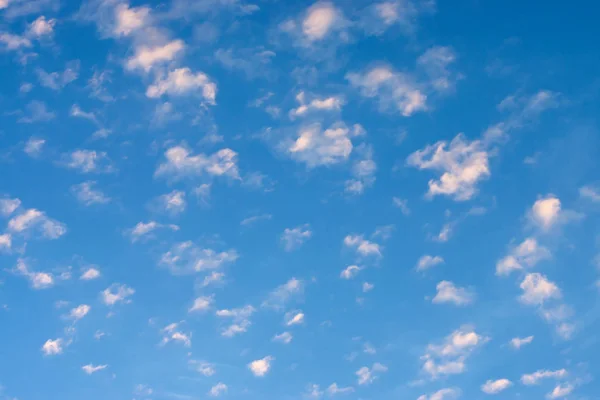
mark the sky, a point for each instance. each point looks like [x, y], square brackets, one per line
[394, 199]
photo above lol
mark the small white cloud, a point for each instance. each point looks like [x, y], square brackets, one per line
[173, 202]
[591, 193]
[367, 287]
[5, 241]
[293, 238]
[334, 389]
[41, 27]
[261, 367]
[86, 194]
[317, 147]
[362, 246]
[435, 62]
[537, 289]
[14, 42]
[427, 261]
[90, 274]
[319, 20]
[255, 218]
[187, 258]
[172, 334]
[218, 389]
[294, 318]
[34, 146]
[203, 367]
[537, 376]
[402, 204]
[350, 272]
[38, 280]
[147, 57]
[202, 303]
[517, 342]
[462, 165]
[545, 211]
[526, 254]
[495, 387]
[561, 391]
[284, 337]
[240, 317]
[447, 292]
[183, 81]
[52, 347]
[117, 293]
[332, 103]
[88, 161]
[90, 369]
[367, 375]
[33, 219]
[79, 312]
[128, 20]
[279, 297]
[180, 163]
[442, 394]
[8, 206]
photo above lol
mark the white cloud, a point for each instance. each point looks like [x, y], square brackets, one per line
[41, 27]
[334, 389]
[128, 20]
[394, 90]
[8, 206]
[240, 317]
[537, 376]
[183, 81]
[367, 375]
[313, 391]
[447, 292]
[332, 103]
[545, 211]
[34, 219]
[36, 111]
[561, 391]
[294, 318]
[52, 347]
[262, 366]
[88, 195]
[449, 357]
[319, 20]
[517, 342]
[367, 287]
[145, 229]
[350, 272]
[218, 389]
[255, 218]
[14, 42]
[5, 241]
[90, 369]
[363, 171]
[79, 312]
[590, 192]
[402, 204]
[181, 164]
[187, 258]
[58, 80]
[462, 164]
[495, 387]
[213, 278]
[362, 246]
[316, 147]
[173, 202]
[435, 62]
[203, 367]
[442, 394]
[38, 280]
[117, 293]
[284, 337]
[427, 261]
[537, 289]
[33, 147]
[293, 238]
[279, 297]
[526, 254]
[171, 334]
[202, 303]
[146, 58]
[77, 112]
[88, 161]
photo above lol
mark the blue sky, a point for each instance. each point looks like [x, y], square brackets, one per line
[292, 200]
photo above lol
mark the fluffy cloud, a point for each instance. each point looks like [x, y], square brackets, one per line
[128, 20]
[293, 238]
[294, 318]
[173, 202]
[201, 303]
[5, 241]
[367, 375]
[183, 81]
[517, 342]
[79, 312]
[334, 389]
[350, 272]
[240, 317]
[590, 192]
[145, 229]
[90, 274]
[88, 161]
[526, 254]
[545, 211]
[218, 389]
[448, 358]
[187, 258]
[495, 387]
[561, 391]
[14, 42]
[319, 20]
[8, 206]
[172, 334]
[41, 27]
[146, 58]
[363, 171]
[283, 294]
[535, 377]
[90, 368]
[38, 280]
[86, 194]
[362, 246]
[284, 337]
[442, 394]
[537, 289]
[117, 293]
[261, 367]
[394, 90]
[33, 220]
[462, 165]
[435, 62]
[34, 147]
[427, 261]
[180, 163]
[317, 147]
[52, 347]
[447, 292]
[332, 103]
